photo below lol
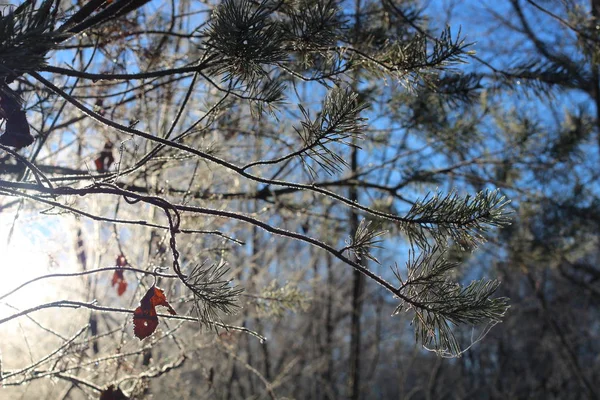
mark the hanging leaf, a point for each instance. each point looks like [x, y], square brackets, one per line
[118, 276]
[119, 279]
[112, 393]
[145, 319]
[145, 322]
[99, 164]
[17, 132]
[105, 159]
[121, 261]
[156, 297]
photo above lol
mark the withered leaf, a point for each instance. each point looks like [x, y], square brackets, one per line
[105, 158]
[145, 319]
[118, 276]
[112, 393]
[17, 132]
[119, 280]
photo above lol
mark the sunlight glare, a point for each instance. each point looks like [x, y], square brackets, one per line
[25, 257]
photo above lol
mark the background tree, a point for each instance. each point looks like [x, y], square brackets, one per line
[209, 142]
[548, 126]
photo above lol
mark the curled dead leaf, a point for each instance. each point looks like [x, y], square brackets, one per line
[112, 393]
[119, 280]
[17, 132]
[105, 159]
[121, 261]
[145, 319]
[119, 277]
[144, 322]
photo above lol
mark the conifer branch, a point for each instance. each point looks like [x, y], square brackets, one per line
[445, 303]
[461, 219]
[337, 122]
[364, 240]
[213, 294]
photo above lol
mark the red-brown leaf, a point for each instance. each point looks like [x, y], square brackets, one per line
[117, 276]
[99, 163]
[156, 297]
[110, 393]
[105, 158]
[121, 261]
[122, 288]
[145, 319]
[119, 280]
[144, 322]
[17, 133]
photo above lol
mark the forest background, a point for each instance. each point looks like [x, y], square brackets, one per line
[338, 199]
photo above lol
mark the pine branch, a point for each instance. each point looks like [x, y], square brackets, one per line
[337, 122]
[445, 304]
[213, 294]
[245, 38]
[313, 25]
[364, 240]
[543, 75]
[414, 58]
[26, 36]
[274, 301]
[462, 219]
[28, 33]
[455, 88]
[405, 222]
[447, 50]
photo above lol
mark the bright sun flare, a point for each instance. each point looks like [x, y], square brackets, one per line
[25, 257]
